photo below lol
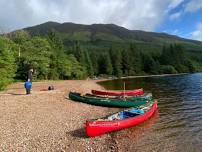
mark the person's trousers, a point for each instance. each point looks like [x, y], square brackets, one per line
[28, 91]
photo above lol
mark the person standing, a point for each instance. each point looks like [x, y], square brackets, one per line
[28, 83]
[28, 86]
[29, 75]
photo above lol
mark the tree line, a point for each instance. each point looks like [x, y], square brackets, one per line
[51, 60]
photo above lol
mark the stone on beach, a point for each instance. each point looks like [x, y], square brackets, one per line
[46, 120]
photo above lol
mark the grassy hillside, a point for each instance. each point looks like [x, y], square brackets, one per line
[98, 36]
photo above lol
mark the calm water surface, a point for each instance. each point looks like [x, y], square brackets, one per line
[176, 126]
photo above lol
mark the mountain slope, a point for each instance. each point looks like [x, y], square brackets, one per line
[106, 35]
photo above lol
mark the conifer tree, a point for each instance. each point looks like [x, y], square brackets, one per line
[126, 63]
[115, 56]
[88, 64]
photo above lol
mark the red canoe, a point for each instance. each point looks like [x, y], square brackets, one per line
[117, 122]
[117, 93]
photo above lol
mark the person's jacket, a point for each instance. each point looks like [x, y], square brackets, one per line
[28, 85]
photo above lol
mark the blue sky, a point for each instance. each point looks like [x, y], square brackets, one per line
[177, 17]
[184, 21]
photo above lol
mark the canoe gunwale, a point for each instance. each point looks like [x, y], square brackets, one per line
[119, 93]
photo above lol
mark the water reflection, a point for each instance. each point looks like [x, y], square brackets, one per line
[139, 130]
[179, 127]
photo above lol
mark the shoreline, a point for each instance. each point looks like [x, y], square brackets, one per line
[98, 80]
[47, 121]
[158, 75]
[141, 76]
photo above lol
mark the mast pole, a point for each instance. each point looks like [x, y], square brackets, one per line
[124, 89]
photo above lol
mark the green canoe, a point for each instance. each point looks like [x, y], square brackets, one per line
[105, 101]
[145, 96]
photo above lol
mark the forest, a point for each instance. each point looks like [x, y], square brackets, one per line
[51, 60]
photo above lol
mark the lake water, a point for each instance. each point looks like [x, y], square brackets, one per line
[176, 126]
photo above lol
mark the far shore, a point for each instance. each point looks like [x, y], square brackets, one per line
[158, 75]
[141, 76]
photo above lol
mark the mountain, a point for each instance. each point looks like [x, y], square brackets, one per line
[96, 50]
[107, 35]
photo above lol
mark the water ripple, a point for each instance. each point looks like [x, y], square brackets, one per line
[179, 123]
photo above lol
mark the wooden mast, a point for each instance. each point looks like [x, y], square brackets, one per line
[124, 90]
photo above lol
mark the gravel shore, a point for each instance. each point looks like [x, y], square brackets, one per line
[47, 121]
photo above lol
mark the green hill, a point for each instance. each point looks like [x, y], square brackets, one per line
[75, 51]
[107, 35]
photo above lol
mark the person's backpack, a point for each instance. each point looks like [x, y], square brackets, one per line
[51, 87]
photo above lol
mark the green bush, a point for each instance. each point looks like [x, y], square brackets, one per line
[167, 69]
[7, 65]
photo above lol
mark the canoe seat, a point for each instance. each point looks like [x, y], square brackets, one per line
[114, 117]
[127, 114]
[139, 111]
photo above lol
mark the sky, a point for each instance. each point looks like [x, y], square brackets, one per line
[176, 17]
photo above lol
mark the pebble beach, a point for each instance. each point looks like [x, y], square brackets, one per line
[48, 121]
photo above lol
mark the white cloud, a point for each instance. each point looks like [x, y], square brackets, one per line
[193, 6]
[197, 34]
[175, 32]
[132, 14]
[175, 3]
[175, 16]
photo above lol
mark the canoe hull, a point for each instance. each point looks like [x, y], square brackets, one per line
[106, 102]
[101, 127]
[145, 96]
[116, 93]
